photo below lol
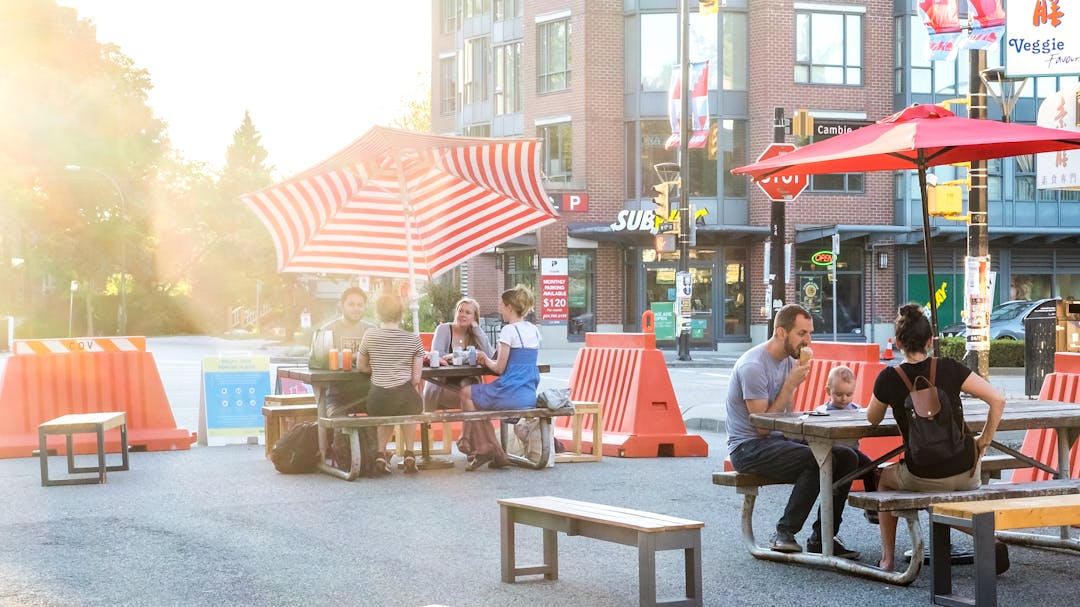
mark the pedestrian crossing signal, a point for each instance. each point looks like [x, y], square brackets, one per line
[665, 243]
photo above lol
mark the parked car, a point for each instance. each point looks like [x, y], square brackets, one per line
[1006, 320]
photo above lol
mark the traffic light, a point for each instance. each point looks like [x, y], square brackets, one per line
[662, 210]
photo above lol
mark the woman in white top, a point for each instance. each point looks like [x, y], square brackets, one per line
[519, 344]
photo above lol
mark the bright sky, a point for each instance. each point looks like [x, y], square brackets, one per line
[315, 75]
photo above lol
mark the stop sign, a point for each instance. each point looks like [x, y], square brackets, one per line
[781, 188]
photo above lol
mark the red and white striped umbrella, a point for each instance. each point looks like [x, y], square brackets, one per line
[405, 205]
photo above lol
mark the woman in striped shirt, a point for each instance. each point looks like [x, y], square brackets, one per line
[394, 358]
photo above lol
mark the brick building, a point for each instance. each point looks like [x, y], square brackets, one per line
[590, 78]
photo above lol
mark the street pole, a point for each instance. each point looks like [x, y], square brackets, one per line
[977, 350]
[777, 233]
[684, 165]
[121, 314]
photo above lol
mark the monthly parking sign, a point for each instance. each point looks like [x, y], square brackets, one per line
[232, 398]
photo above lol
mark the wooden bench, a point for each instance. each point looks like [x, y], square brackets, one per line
[351, 425]
[279, 418]
[907, 504]
[649, 532]
[77, 423]
[982, 519]
[574, 453]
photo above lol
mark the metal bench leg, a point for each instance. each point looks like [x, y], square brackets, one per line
[985, 560]
[125, 464]
[940, 561]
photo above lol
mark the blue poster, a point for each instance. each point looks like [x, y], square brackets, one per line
[233, 391]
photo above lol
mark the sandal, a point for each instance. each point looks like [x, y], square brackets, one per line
[410, 463]
[476, 461]
[382, 467]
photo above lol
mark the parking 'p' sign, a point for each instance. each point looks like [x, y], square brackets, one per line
[781, 188]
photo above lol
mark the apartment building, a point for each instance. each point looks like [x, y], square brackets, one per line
[591, 79]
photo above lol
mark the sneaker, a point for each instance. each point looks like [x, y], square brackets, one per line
[839, 549]
[410, 463]
[784, 541]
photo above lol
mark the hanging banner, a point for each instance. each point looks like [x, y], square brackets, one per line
[987, 23]
[942, 20]
[1040, 38]
[1059, 170]
[699, 106]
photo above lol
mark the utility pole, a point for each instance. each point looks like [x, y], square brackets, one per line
[977, 351]
[777, 234]
[684, 169]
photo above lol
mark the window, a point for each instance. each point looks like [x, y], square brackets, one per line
[557, 151]
[450, 10]
[828, 48]
[508, 79]
[477, 8]
[553, 60]
[654, 134]
[731, 142]
[477, 59]
[735, 66]
[477, 130]
[447, 85]
[581, 290]
[520, 268]
[507, 9]
[660, 48]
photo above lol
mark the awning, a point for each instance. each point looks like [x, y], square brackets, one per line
[955, 232]
[708, 235]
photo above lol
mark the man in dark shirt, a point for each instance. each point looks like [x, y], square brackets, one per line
[346, 398]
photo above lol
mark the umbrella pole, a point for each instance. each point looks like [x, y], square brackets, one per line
[929, 258]
[406, 203]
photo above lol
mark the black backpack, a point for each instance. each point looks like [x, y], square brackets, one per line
[297, 451]
[935, 433]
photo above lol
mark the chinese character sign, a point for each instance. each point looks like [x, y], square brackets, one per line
[1059, 170]
[1041, 38]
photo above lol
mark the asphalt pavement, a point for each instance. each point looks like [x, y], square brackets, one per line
[219, 526]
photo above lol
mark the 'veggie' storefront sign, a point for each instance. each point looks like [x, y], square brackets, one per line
[1040, 37]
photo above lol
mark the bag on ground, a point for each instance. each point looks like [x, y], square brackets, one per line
[935, 424]
[297, 451]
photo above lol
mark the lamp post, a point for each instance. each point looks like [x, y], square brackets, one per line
[121, 316]
[71, 304]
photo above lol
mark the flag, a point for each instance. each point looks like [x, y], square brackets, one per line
[987, 23]
[942, 20]
[699, 106]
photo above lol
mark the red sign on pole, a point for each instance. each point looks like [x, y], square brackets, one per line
[781, 188]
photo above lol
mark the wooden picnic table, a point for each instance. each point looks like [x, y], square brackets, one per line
[320, 380]
[821, 432]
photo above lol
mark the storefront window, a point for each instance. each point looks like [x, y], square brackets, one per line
[521, 269]
[582, 302]
[735, 295]
[1030, 286]
[814, 290]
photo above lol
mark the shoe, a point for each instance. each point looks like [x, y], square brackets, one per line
[382, 466]
[498, 463]
[410, 463]
[1001, 558]
[784, 541]
[475, 462]
[838, 548]
[871, 517]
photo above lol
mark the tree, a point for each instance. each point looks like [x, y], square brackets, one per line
[69, 100]
[416, 110]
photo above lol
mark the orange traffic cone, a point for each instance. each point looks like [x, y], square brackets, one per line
[888, 353]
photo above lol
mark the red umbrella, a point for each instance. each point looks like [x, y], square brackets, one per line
[917, 137]
[405, 205]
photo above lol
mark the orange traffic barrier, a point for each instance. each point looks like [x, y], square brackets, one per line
[628, 376]
[648, 322]
[1062, 385]
[38, 387]
[863, 361]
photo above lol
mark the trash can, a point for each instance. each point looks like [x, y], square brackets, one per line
[1040, 344]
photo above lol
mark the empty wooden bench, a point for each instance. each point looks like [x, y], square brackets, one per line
[78, 423]
[648, 531]
[983, 519]
[574, 452]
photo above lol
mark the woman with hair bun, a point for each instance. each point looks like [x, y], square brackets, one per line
[915, 339]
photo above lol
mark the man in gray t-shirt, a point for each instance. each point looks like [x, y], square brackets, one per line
[764, 380]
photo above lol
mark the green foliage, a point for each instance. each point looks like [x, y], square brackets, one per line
[436, 303]
[1003, 352]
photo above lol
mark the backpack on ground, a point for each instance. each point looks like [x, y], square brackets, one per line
[297, 451]
[935, 425]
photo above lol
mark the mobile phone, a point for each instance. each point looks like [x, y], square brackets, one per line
[819, 413]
